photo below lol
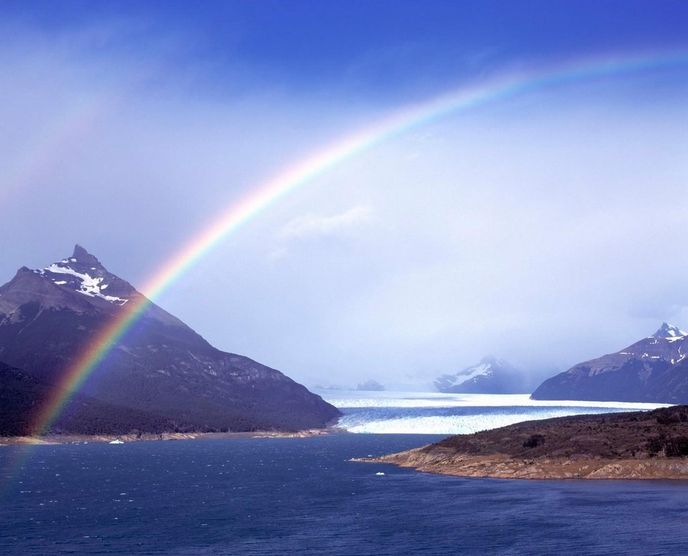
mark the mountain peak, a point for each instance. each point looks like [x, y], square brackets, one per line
[653, 369]
[669, 331]
[492, 361]
[83, 256]
[164, 377]
[491, 375]
[84, 274]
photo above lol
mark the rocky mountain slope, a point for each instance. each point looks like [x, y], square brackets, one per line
[22, 394]
[489, 376]
[160, 370]
[654, 369]
[636, 445]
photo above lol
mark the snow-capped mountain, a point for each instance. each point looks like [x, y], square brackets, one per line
[489, 376]
[83, 273]
[654, 369]
[669, 332]
[160, 371]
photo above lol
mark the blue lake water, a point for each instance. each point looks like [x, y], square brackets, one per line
[277, 496]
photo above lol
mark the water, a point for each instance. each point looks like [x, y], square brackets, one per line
[435, 413]
[276, 496]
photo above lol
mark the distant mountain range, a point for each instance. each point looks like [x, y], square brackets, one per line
[160, 376]
[370, 386]
[654, 369]
[489, 376]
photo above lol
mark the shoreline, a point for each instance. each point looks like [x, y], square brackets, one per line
[503, 466]
[57, 439]
[633, 445]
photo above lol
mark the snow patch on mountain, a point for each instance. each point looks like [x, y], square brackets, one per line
[92, 286]
[484, 368]
[490, 375]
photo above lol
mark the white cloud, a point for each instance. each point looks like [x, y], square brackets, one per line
[318, 226]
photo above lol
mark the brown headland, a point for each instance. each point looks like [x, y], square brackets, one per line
[634, 445]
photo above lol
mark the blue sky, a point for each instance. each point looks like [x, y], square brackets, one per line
[381, 48]
[542, 228]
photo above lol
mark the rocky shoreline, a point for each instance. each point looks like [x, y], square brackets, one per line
[635, 445]
[126, 438]
[500, 466]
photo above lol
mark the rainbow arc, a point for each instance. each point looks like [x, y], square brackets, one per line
[303, 172]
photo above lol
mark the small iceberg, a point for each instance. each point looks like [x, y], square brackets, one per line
[116, 441]
[380, 474]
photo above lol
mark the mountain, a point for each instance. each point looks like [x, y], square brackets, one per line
[21, 394]
[370, 386]
[160, 372]
[489, 376]
[654, 369]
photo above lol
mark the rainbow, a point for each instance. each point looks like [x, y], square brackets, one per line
[304, 171]
[66, 131]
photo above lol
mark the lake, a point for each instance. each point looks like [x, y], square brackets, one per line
[274, 496]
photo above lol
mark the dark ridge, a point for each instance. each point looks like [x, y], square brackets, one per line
[22, 396]
[84, 257]
[654, 369]
[639, 434]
